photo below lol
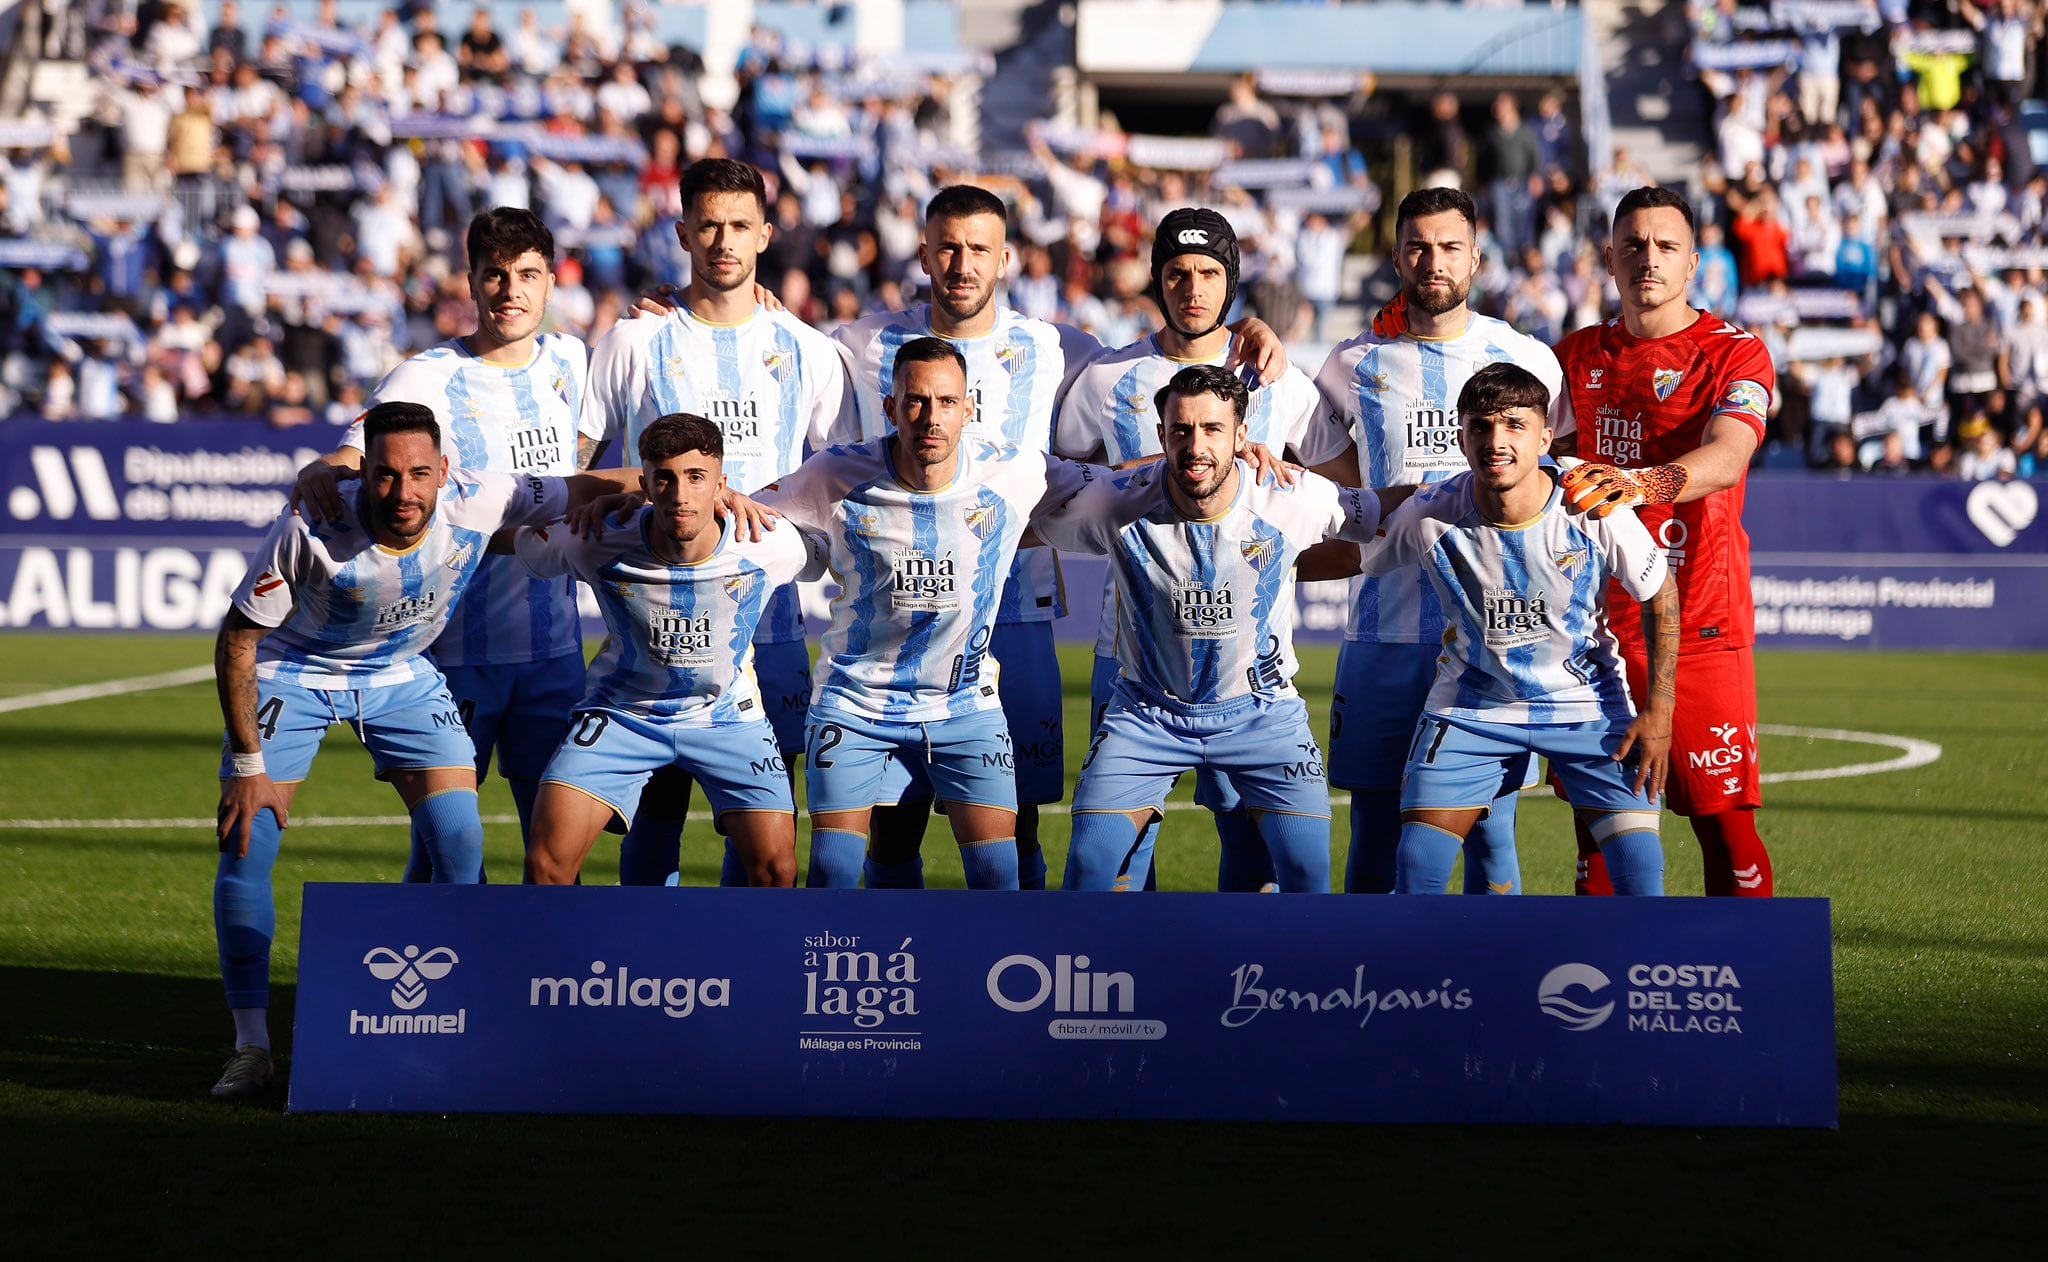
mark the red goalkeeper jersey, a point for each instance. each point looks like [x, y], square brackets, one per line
[1636, 402]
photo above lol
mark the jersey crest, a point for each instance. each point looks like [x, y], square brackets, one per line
[1665, 381]
[742, 586]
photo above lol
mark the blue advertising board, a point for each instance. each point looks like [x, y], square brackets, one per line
[129, 526]
[1694, 1012]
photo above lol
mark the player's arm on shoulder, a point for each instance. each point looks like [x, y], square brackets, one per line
[1400, 542]
[1629, 553]
[813, 552]
[1330, 559]
[1256, 348]
[1080, 507]
[548, 551]
[807, 494]
[317, 492]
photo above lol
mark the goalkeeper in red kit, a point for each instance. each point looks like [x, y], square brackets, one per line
[1665, 406]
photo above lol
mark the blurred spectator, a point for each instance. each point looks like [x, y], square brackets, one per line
[1250, 125]
[1926, 362]
[1443, 151]
[1985, 456]
[1978, 363]
[1319, 249]
[1716, 286]
[1509, 162]
[1892, 461]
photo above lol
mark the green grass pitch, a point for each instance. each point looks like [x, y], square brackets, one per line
[111, 1029]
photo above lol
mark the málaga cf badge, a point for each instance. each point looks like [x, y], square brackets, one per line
[1665, 381]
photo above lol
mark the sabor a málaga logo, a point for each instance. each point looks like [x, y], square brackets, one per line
[1579, 1018]
[409, 972]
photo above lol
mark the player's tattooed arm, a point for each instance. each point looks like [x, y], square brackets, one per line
[1650, 735]
[249, 791]
[318, 490]
[590, 450]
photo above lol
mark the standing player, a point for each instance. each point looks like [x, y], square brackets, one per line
[1391, 392]
[1203, 556]
[923, 525]
[1528, 665]
[329, 627]
[773, 384]
[1107, 411]
[682, 592]
[1666, 405]
[510, 397]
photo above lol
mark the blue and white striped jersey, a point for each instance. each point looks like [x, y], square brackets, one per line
[1014, 374]
[1398, 401]
[351, 613]
[920, 573]
[1527, 640]
[773, 383]
[1205, 609]
[1108, 409]
[497, 419]
[681, 647]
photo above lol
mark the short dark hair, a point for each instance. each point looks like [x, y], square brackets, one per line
[1498, 387]
[504, 233]
[681, 432]
[960, 201]
[393, 417]
[924, 350]
[1651, 197]
[1435, 201]
[1200, 379]
[722, 175]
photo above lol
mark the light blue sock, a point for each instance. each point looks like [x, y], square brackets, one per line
[1423, 863]
[1030, 857]
[1104, 847]
[1375, 839]
[991, 865]
[732, 874]
[1635, 862]
[1299, 846]
[245, 916]
[419, 868]
[1491, 864]
[906, 875]
[453, 833]
[1243, 864]
[836, 858]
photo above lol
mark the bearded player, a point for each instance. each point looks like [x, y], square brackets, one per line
[1666, 405]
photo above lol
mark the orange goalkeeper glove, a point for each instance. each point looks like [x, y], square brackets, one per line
[1392, 321]
[1598, 489]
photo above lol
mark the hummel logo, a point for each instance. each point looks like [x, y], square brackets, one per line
[267, 583]
[1724, 732]
[1503, 887]
[1750, 877]
[410, 972]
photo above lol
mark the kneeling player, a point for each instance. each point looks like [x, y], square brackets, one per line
[682, 591]
[1529, 665]
[329, 627]
[1203, 558]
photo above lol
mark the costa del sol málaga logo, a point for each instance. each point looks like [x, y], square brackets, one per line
[1550, 996]
[409, 973]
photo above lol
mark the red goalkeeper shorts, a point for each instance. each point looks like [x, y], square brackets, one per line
[1713, 731]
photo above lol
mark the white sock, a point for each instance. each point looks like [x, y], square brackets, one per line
[252, 1027]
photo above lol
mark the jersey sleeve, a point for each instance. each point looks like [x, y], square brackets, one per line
[1076, 432]
[1402, 544]
[578, 364]
[280, 566]
[549, 553]
[522, 500]
[832, 418]
[1329, 511]
[1304, 424]
[1333, 430]
[806, 496]
[1630, 554]
[1748, 380]
[1085, 510]
[817, 555]
[614, 387]
[1563, 420]
[1079, 348]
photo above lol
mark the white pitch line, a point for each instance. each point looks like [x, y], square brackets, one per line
[1912, 753]
[111, 688]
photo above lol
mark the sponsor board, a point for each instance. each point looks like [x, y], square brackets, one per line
[1692, 1012]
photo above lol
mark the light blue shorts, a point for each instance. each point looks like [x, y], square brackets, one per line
[520, 711]
[783, 672]
[1212, 787]
[1381, 690]
[849, 761]
[609, 754]
[410, 726]
[1456, 764]
[1142, 746]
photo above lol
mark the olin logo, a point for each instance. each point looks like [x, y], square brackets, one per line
[59, 491]
[409, 973]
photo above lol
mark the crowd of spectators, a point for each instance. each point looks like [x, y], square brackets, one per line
[1873, 208]
[264, 215]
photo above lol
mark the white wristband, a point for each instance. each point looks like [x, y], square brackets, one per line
[247, 765]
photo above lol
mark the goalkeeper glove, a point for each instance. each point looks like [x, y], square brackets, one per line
[1598, 489]
[1392, 321]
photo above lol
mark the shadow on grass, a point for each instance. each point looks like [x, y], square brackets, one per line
[103, 1081]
